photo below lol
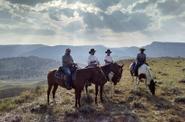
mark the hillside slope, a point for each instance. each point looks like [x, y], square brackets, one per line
[125, 105]
[26, 68]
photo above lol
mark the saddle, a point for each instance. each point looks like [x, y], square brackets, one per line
[135, 67]
[59, 74]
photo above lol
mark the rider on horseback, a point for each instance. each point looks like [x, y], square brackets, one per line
[140, 60]
[108, 59]
[93, 60]
[68, 63]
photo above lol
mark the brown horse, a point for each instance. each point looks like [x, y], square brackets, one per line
[113, 73]
[81, 76]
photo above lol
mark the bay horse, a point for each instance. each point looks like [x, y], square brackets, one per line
[144, 73]
[81, 76]
[113, 73]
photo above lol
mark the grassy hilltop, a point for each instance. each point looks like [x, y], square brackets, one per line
[167, 106]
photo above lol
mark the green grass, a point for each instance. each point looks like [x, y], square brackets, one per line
[8, 104]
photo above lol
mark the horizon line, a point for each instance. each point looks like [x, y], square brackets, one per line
[29, 44]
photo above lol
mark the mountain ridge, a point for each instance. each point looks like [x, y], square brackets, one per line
[155, 49]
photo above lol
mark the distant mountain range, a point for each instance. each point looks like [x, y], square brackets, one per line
[80, 53]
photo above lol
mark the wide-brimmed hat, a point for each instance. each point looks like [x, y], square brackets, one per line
[142, 49]
[108, 51]
[68, 50]
[92, 51]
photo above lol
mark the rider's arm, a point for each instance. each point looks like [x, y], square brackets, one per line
[137, 57]
[145, 58]
[72, 61]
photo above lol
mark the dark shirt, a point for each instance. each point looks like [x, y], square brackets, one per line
[67, 60]
[141, 58]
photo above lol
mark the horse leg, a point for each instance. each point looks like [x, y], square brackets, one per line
[54, 91]
[86, 89]
[146, 85]
[137, 84]
[101, 93]
[79, 97]
[134, 83]
[48, 91]
[96, 88]
[111, 89]
[76, 98]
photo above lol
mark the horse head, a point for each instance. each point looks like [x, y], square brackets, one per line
[152, 86]
[117, 70]
[98, 75]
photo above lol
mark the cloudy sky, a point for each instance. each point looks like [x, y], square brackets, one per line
[112, 23]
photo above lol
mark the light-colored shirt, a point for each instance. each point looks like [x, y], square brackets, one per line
[93, 60]
[108, 60]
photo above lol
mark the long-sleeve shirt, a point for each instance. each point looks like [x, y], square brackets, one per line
[108, 60]
[141, 58]
[67, 60]
[93, 60]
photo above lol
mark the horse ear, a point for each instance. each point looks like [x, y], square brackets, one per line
[122, 65]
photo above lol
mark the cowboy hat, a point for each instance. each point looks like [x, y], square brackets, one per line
[92, 50]
[142, 49]
[68, 50]
[108, 51]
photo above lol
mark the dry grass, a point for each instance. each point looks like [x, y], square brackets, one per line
[166, 106]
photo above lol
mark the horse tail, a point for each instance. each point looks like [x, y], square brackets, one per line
[130, 66]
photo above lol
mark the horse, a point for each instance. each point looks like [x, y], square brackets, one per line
[144, 73]
[81, 76]
[113, 73]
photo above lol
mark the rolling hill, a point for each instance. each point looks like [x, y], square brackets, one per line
[26, 68]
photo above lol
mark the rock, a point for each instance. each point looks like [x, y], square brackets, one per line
[183, 69]
[180, 100]
[117, 92]
[182, 81]
[39, 109]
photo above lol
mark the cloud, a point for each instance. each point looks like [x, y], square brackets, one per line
[27, 31]
[89, 20]
[171, 7]
[28, 2]
[117, 21]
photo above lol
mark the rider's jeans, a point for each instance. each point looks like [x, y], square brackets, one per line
[67, 72]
